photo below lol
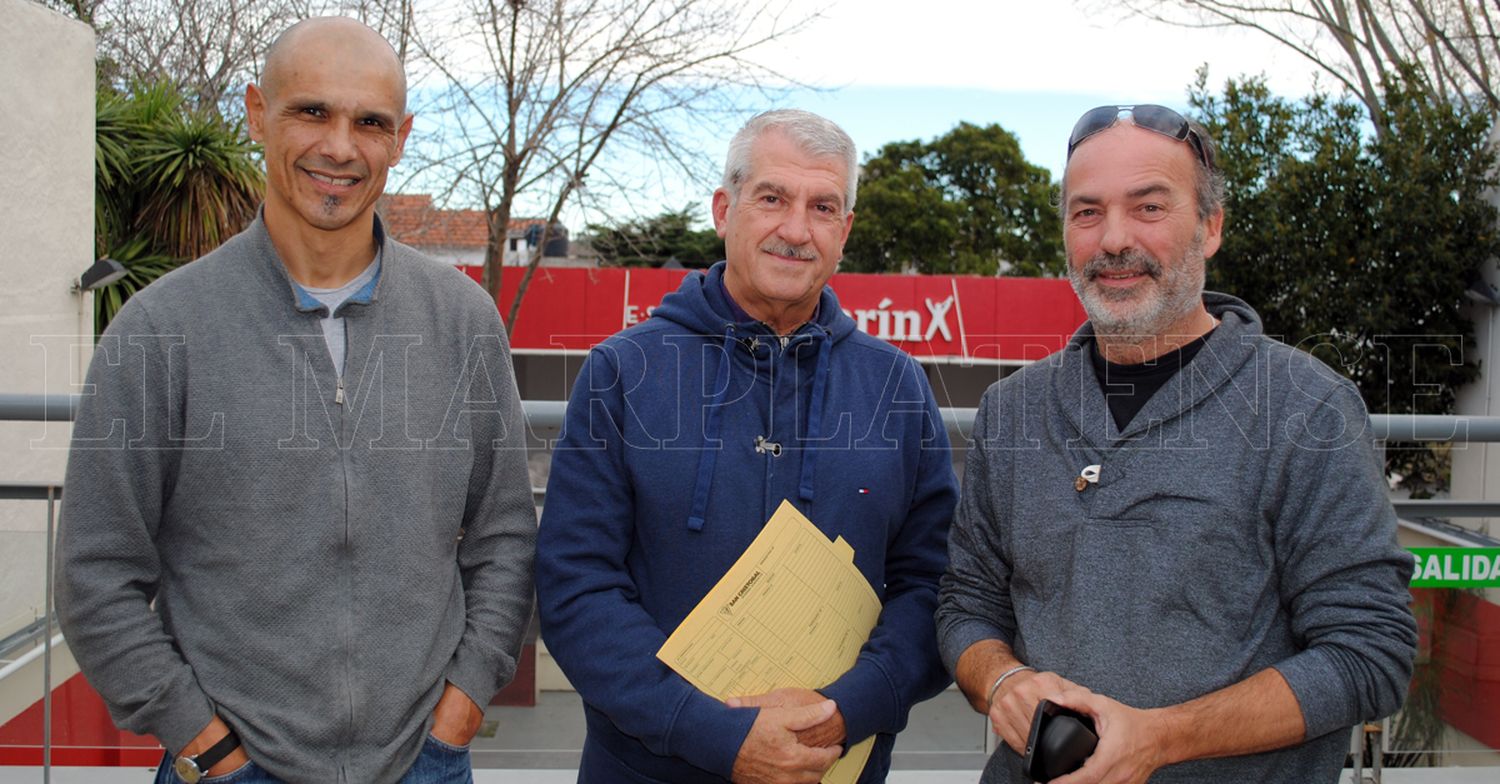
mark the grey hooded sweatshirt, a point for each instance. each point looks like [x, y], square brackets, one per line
[311, 558]
[1239, 522]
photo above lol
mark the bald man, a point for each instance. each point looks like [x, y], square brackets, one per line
[298, 537]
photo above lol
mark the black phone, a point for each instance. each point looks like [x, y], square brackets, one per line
[1061, 739]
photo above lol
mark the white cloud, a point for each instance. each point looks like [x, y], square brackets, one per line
[1045, 46]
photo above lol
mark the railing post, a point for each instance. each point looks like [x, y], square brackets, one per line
[1357, 752]
[1367, 736]
[47, 643]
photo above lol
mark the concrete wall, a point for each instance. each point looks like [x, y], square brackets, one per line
[46, 241]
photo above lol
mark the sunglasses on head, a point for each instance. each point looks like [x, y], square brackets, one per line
[1149, 116]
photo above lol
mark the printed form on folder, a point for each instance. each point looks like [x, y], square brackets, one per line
[792, 611]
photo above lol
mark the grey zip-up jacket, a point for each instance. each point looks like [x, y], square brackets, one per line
[322, 554]
[1239, 522]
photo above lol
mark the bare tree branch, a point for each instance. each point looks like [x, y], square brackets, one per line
[1450, 46]
[210, 48]
[1460, 59]
[521, 100]
[541, 99]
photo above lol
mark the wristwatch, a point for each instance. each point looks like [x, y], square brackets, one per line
[191, 769]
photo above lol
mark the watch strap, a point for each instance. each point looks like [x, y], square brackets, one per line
[215, 754]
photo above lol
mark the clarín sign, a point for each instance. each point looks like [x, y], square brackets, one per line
[937, 318]
[1456, 567]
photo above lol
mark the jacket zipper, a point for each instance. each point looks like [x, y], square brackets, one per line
[338, 398]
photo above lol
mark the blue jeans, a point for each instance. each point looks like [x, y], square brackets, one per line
[439, 763]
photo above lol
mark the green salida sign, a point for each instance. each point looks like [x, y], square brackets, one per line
[1456, 567]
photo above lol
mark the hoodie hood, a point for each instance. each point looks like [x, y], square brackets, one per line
[1218, 306]
[700, 305]
[1231, 344]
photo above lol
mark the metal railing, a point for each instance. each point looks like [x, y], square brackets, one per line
[544, 414]
[547, 415]
[43, 626]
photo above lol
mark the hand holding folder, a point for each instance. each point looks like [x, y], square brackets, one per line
[793, 611]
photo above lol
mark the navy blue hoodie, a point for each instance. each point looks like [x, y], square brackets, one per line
[683, 435]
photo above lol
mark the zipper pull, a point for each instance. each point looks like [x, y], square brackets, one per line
[338, 392]
[763, 446]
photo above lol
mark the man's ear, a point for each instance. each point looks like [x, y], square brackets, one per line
[401, 134]
[721, 211]
[1213, 233]
[255, 110]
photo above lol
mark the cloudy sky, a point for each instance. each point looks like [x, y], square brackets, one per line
[904, 70]
[889, 71]
[1047, 46]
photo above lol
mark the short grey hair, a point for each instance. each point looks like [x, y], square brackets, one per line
[816, 136]
[1209, 183]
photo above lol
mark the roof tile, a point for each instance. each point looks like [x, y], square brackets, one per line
[411, 218]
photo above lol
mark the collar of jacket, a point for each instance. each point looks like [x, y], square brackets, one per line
[272, 271]
[698, 306]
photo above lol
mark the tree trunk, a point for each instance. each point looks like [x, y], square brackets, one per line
[495, 248]
[536, 258]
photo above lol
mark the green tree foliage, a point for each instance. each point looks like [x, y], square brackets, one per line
[651, 242]
[967, 202]
[1359, 248]
[171, 183]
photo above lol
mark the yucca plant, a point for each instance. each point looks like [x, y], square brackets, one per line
[200, 184]
[171, 183]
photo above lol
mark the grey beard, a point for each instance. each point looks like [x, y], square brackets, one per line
[1180, 289]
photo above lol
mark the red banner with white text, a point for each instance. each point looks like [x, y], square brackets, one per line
[933, 317]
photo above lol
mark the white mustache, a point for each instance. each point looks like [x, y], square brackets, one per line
[798, 252]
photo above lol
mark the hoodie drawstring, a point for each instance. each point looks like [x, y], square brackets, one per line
[711, 435]
[815, 418]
